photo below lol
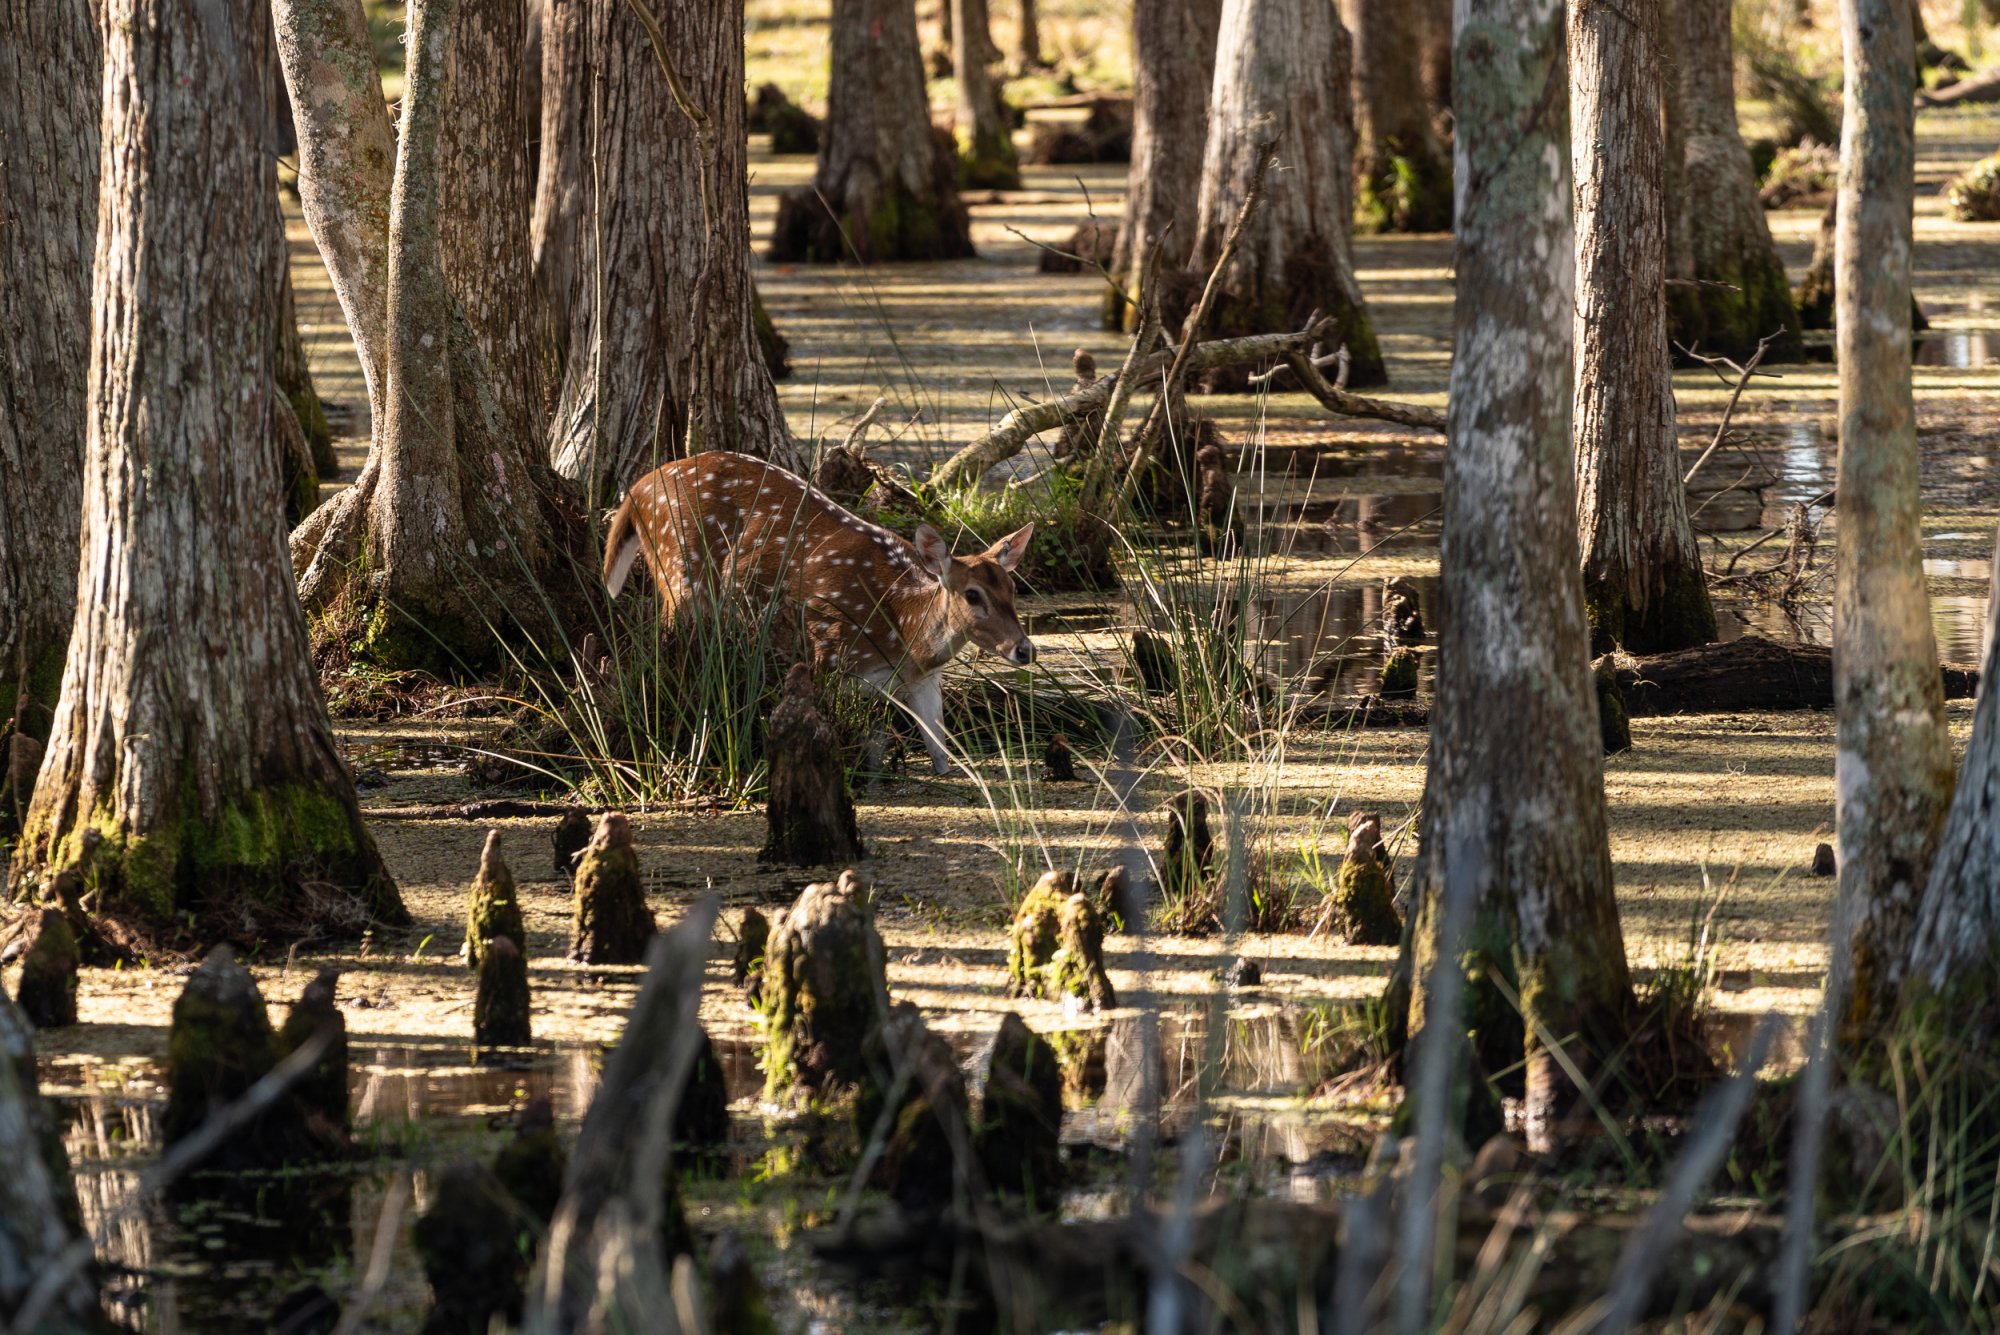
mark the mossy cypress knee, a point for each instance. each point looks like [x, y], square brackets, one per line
[502, 1011]
[1361, 908]
[1612, 720]
[1018, 1139]
[493, 909]
[48, 973]
[1055, 945]
[612, 923]
[701, 1122]
[753, 940]
[531, 1165]
[322, 1092]
[1190, 850]
[469, 1243]
[572, 836]
[824, 989]
[929, 1126]
[809, 810]
[221, 1044]
[1399, 675]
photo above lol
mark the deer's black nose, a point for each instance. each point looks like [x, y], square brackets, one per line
[1023, 652]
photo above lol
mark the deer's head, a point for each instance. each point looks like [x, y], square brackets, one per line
[979, 592]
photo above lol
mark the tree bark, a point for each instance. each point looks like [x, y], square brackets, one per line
[1282, 69]
[1643, 584]
[488, 198]
[672, 366]
[1434, 40]
[1730, 288]
[986, 157]
[1524, 803]
[39, 1217]
[1893, 767]
[1028, 42]
[294, 374]
[1402, 174]
[456, 526]
[885, 188]
[192, 765]
[49, 62]
[1173, 60]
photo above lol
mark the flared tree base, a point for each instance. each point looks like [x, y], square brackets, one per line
[895, 225]
[1404, 193]
[1724, 314]
[1310, 283]
[1679, 615]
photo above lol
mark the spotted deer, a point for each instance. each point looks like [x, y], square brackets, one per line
[878, 606]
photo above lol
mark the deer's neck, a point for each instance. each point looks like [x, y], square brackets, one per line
[923, 617]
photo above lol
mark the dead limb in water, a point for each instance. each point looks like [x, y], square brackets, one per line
[1750, 674]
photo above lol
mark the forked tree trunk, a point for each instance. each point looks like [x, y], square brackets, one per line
[1643, 585]
[1173, 62]
[49, 64]
[1524, 804]
[1730, 288]
[885, 188]
[1893, 765]
[191, 739]
[986, 157]
[456, 527]
[1281, 70]
[672, 366]
[1401, 171]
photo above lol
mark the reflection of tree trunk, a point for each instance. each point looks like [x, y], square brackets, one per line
[192, 746]
[1644, 587]
[1282, 69]
[885, 188]
[1730, 286]
[1173, 60]
[49, 65]
[986, 157]
[39, 1217]
[1893, 765]
[456, 526]
[1401, 171]
[1523, 805]
[672, 366]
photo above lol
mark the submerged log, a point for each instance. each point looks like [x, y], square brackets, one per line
[612, 923]
[810, 812]
[1748, 675]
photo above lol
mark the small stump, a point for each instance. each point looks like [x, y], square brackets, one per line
[753, 940]
[494, 910]
[919, 1161]
[468, 1241]
[1399, 675]
[1823, 863]
[1611, 717]
[810, 812]
[322, 1094]
[1119, 902]
[47, 994]
[701, 1122]
[572, 836]
[823, 989]
[1018, 1142]
[1361, 909]
[1402, 611]
[502, 1011]
[532, 1164]
[1055, 945]
[1190, 852]
[221, 1044]
[612, 924]
[1058, 761]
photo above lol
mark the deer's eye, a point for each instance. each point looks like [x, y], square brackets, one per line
[974, 598]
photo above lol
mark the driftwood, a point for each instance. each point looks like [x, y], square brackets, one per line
[1981, 87]
[1746, 675]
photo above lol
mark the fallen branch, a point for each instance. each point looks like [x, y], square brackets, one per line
[1982, 87]
[1335, 399]
[1023, 424]
[1744, 372]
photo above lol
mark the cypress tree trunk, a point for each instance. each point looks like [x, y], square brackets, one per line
[883, 173]
[986, 157]
[294, 374]
[1643, 584]
[1434, 59]
[1893, 766]
[1402, 175]
[1028, 43]
[1732, 289]
[1282, 68]
[191, 738]
[673, 366]
[456, 526]
[49, 63]
[1523, 803]
[1173, 60]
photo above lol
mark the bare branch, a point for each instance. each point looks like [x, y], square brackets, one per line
[1747, 370]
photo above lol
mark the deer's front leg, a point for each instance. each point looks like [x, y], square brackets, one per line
[925, 696]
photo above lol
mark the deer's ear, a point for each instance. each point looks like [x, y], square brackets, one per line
[933, 551]
[1010, 549]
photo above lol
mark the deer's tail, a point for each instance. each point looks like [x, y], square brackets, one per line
[621, 547]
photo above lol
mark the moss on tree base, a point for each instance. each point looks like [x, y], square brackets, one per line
[274, 864]
[897, 225]
[1280, 303]
[987, 162]
[1724, 314]
[1679, 614]
[1405, 194]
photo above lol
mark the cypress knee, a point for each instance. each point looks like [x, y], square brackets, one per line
[502, 1011]
[824, 988]
[612, 924]
[494, 910]
[48, 973]
[810, 812]
[1018, 1141]
[322, 1092]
